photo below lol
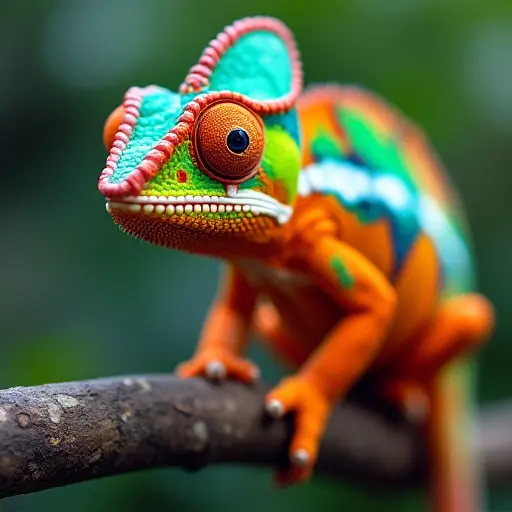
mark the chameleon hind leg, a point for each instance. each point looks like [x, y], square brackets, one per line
[435, 366]
[274, 336]
[460, 326]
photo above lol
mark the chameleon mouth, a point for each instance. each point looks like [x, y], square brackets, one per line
[246, 201]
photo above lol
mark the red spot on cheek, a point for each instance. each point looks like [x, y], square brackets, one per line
[181, 176]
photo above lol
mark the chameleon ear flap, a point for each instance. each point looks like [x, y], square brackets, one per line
[255, 59]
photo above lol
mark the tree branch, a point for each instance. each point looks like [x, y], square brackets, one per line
[63, 433]
[58, 434]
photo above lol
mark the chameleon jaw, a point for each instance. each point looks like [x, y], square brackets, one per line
[246, 201]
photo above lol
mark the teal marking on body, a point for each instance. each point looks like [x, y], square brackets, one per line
[245, 68]
[344, 276]
[326, 146]
[158, 114]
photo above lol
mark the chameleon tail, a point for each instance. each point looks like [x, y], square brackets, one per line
[456, 479]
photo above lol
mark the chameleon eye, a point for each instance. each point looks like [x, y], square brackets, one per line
[229, 142]
[111, 126]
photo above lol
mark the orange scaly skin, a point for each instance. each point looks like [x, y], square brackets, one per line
[340, 286]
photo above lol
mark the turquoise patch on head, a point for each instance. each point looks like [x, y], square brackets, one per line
[158, 114]
[257, 65]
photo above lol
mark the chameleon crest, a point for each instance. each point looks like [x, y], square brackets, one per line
[218, 158]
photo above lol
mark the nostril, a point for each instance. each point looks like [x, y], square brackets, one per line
[181, 176]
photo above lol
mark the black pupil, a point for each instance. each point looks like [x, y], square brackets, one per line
[238, 140]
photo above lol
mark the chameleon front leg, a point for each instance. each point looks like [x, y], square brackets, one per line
[223, 339]
[368, 301]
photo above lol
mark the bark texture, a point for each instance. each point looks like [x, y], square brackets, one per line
[58, 434]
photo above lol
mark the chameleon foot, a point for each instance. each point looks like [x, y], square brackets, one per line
[311, 410]
[218, 365]
[411, 397]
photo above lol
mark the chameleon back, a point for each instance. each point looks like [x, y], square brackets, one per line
[379, 166]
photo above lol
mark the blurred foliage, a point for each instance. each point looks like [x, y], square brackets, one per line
[80, 300]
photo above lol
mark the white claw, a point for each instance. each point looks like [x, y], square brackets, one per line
[300, 458]
[274, 408]
[215, 370]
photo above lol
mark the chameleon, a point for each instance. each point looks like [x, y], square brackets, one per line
[346, 247]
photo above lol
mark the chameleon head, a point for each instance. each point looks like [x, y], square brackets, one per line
[219, 160]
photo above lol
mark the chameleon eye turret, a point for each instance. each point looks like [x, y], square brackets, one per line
[229, 142]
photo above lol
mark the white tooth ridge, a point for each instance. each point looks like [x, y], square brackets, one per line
[245, 200]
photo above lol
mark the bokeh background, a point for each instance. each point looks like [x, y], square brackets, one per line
[80, 300]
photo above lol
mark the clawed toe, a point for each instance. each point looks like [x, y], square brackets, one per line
[310, 409]
[219, 365]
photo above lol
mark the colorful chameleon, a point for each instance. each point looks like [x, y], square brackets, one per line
[345, 244]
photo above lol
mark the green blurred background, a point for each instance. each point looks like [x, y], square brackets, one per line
[79, 300]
